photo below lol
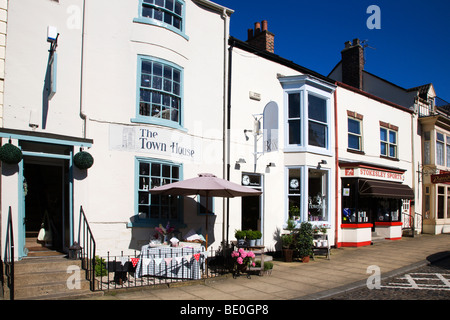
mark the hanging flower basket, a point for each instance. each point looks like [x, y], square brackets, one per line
[83, 160]
[10, 154]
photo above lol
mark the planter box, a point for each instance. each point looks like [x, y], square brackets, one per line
[356, 234]
[389, 230]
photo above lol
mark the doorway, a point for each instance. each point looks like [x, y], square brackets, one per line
[46, 203]
[251, 207]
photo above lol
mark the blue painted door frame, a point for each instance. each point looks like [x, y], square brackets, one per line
[22, 214]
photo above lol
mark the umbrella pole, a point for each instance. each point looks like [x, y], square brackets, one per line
[207, 213]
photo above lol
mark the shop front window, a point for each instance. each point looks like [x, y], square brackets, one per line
[388, 210]
[294, 194]
[441, 203]
[317, 195]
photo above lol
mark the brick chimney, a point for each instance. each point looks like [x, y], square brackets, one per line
[353, 64]
[261, 38]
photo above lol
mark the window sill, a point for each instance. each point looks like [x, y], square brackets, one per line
[389, 158]
[159, 122]
[321, 151]
[356, 151]
[153, 224]
[157, 23]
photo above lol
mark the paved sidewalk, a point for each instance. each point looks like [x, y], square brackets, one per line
[346, 269]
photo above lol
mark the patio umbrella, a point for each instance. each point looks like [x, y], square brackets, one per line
[208, 185]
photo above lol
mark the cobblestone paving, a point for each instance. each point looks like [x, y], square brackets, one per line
[430, 282]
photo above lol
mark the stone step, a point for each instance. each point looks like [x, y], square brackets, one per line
[42, 264]
[49, 278]
[41, 290]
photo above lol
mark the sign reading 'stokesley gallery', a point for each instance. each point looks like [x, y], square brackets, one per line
[155, 141]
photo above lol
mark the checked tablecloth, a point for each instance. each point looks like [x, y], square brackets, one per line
[171, 262]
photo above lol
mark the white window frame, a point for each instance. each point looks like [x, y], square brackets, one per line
[360, 135]
[388, 143]
[307, 85]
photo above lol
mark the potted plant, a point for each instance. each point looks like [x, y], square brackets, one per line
[240, 236]
[258, 238]
[288, 251]
[251, 237]
[304, 241]
[242, 260]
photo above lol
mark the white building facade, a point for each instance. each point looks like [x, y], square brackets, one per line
[143, 92]
[282, 142]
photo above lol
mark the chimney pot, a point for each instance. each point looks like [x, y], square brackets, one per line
[249, 34]
[264, 25]
[257, 28]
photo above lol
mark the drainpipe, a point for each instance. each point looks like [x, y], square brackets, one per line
[336, 174]
[413, 177]
[82, 107]
[227, 121]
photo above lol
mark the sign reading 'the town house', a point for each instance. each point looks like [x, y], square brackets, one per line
[155, 141]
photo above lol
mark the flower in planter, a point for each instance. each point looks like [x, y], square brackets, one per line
[243, 257]
[165, 231]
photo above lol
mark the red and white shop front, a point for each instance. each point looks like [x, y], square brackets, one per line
[372, 199]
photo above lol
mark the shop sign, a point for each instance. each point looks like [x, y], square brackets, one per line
[155, 141]
[440, 178]
[374, 174]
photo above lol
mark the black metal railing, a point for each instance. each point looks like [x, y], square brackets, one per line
[9, 256]
[410, 221]
[87, 252]
[117, 272]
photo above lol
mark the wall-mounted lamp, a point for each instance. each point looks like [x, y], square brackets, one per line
[268, 166]
[271, 164]
[320, 163]
[245, 133]
[237, 165]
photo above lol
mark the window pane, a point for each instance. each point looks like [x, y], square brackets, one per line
[383, 149]
[441, 203]
[448, 156]
[317, 195]
[294, 181]
[440, 136]
[317, 108]
[317, 134]
[294, 131]
[383, 134]
[354, 142]
[178, 8]
[169, 5]
[294, 105]
[354, 126]
[158, 15]
[393, 137]
[392, 151]
[440, 153]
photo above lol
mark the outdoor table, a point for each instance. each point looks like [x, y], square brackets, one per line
[171, 262]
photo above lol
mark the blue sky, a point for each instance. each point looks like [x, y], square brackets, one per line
[411, 48]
